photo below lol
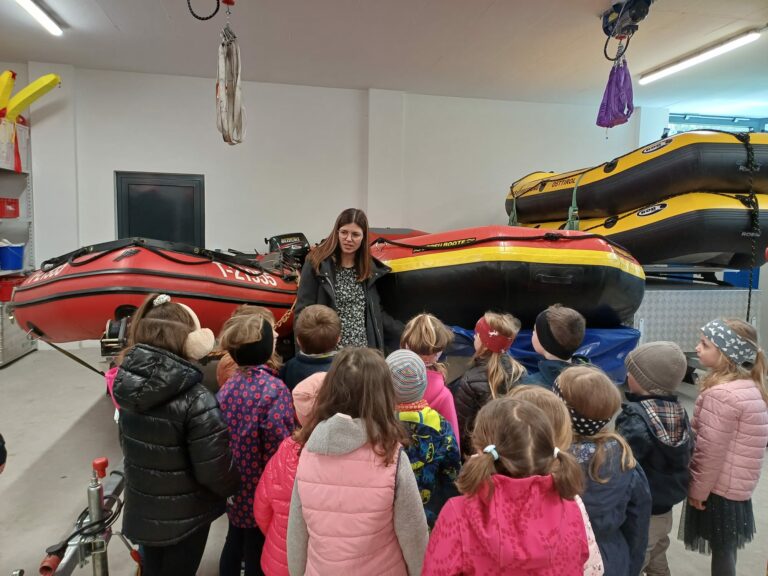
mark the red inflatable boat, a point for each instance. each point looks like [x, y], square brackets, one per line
[73, 296]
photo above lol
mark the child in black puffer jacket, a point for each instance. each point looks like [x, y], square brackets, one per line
[178, 465]
[493, 372]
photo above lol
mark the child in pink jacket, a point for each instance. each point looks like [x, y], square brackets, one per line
[355, 507]
[731, 426]
[273, 493]
[428, 337]
[520, 512]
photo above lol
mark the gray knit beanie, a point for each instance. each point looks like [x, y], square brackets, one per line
[409, 376]
[658, 367]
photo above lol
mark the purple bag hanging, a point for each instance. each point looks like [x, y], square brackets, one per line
[617, 105]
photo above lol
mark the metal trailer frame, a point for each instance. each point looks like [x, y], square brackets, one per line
[80, 551]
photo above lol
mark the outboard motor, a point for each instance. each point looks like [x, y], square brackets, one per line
[293, 247]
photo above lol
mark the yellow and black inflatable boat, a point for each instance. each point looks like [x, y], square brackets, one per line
[698, 228]
[698, 161]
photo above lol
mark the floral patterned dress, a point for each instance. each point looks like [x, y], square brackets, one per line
[258, 410]
[350, 304]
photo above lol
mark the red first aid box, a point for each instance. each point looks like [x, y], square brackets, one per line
[9, 207]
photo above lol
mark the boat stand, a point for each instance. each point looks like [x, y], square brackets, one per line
[87, 540]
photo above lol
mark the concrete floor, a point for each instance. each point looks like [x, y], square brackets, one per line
[56, 420]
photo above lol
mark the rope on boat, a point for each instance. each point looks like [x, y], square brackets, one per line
[547, 237]
[254, 267]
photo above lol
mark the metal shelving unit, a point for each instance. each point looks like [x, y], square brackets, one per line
[13, 341]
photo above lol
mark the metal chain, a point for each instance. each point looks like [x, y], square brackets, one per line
[215, 11]
[284, 318]
[749, 167]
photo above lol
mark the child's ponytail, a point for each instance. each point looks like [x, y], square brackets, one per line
[567, 474]
[475, 476]
[503, 370]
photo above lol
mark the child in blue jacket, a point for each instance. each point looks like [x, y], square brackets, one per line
[433, 453]
[617, 497]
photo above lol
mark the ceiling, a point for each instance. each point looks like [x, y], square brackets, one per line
[536, 51]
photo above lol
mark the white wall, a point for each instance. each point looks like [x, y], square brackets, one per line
[21, 73]
[54, 166]
[462, 154]
[302, 161]
[421, 161]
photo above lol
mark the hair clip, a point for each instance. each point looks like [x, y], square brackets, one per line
[161, 299]
[556, 452]
[491, 449]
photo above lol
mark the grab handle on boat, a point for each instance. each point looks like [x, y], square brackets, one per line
[550, 279]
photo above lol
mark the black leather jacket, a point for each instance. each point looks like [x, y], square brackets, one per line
[178, 465]
[382, 330]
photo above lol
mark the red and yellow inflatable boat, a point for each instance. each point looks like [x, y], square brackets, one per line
[460, 274]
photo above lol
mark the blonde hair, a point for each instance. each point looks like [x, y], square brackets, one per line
[276, 361]
[426, 335]
[498, 374]
[591, 393]
[525, 443]
[553, 407]
[241, 330]
[727, 370]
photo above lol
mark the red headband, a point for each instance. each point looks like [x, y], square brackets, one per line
[492, 339]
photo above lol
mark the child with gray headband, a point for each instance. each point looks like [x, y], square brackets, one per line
[731, 426]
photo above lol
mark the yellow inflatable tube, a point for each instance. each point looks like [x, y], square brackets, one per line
[29, 94]
[7, 79]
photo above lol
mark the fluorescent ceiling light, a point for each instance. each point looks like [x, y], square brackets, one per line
[43, 19]
[713, 52]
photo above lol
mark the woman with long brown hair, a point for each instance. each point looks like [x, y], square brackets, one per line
[341, 274]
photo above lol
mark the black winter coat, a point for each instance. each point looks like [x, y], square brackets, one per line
[178, 465]
[663, 448]
[383, 331]
[470, 393]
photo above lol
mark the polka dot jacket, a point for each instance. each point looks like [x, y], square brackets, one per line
[258, 410]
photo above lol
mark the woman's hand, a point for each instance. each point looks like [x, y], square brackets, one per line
[698, 504]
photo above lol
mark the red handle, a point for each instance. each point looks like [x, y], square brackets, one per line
[49, 564]
[100, 467]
